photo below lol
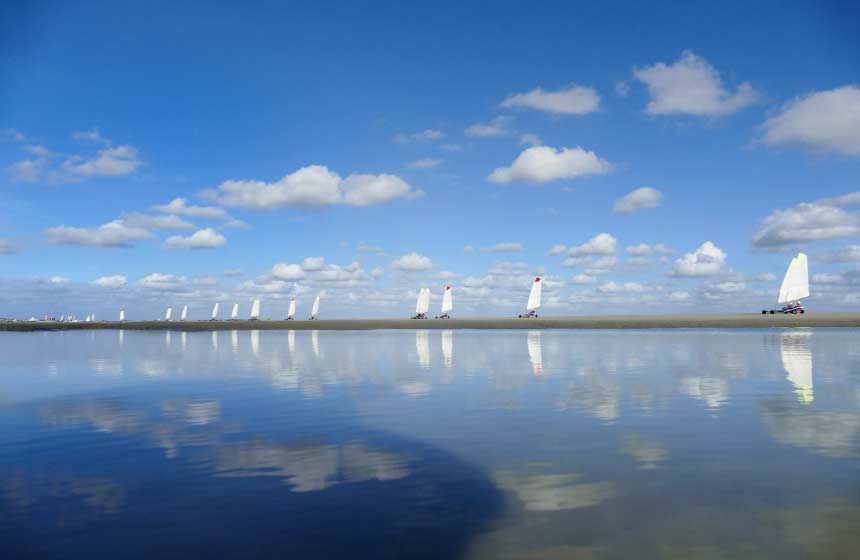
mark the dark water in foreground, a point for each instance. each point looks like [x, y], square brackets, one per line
[472, 444]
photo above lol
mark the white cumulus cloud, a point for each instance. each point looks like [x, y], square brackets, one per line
[206, 238]
[692, 86]
[847, 254]
[496, 127]
[541, 164]
[288, 272]
[574, 100]
[110, 162]
[412, 262]
[502, 248]
[824, 121]
[112, 234]
[314, 186]
[181, 206]
[424, 163]
[600, 244]
[116, 281]
[707, 260]
[822, 219]
[639, 199]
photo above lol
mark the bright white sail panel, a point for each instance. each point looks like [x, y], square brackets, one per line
[235, 313]
[292, 310]
[122, 314]
[795, 284]
[255, 309]
[316, 307]
[184, 312]
[168, 314]
[534, 295]
[425, 302]
[447, 300]
[418, 301]
[215, 312]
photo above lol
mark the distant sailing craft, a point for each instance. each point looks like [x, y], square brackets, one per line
[447, 303]
[795, 287]
[255, 310]
[422, 305]
[315, 309]
[534, 300]
[292, 311]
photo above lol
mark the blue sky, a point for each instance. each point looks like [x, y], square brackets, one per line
[383, 142]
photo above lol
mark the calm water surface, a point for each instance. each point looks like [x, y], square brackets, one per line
[434, 444]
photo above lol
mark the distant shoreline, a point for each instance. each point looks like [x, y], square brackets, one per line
[688, 321]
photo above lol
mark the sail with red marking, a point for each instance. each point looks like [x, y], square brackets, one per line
[447, 300]
[534, 295]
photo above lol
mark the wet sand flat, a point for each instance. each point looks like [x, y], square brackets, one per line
[688, 321]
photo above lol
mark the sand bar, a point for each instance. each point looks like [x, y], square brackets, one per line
[690, 321]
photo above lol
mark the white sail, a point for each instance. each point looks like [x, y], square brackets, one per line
[292, 310]
[215, 311]
[255, 309]
[316, 307]
[795, 285]
[168, 313]
[423, 305]
[235, 313]
[797, 361]
[534, 295]
[122, 314]
[447, 300]
[93, 317]
[184, 314]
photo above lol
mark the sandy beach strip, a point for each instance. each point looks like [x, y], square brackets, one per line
[687, 321]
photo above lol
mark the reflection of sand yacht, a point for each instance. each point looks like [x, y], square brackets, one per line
[422, 346]
[167, 338]
[535, 353]
[214, 341]
[291, 341]
[234, 340]
[797, 361]
[255, 342]
[448, 348]
[121, 336]
[315, 343]
[183, 339]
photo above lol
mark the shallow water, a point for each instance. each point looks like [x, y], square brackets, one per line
[442, 444]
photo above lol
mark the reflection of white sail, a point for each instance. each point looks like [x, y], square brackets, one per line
[448, 348]
[183, 339]
[255, 310]
[422, 345]
[121, 336]
[797, 361]
[291, 341]
[235, 313]
[184, 314]
[315, 343]
[215, 311]
[234, 340]
[168, 314]
[255, 342]
[292, 310]
[214, 341]
[795, 284]
[167, 338]
[534, 296]
[535, 351]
